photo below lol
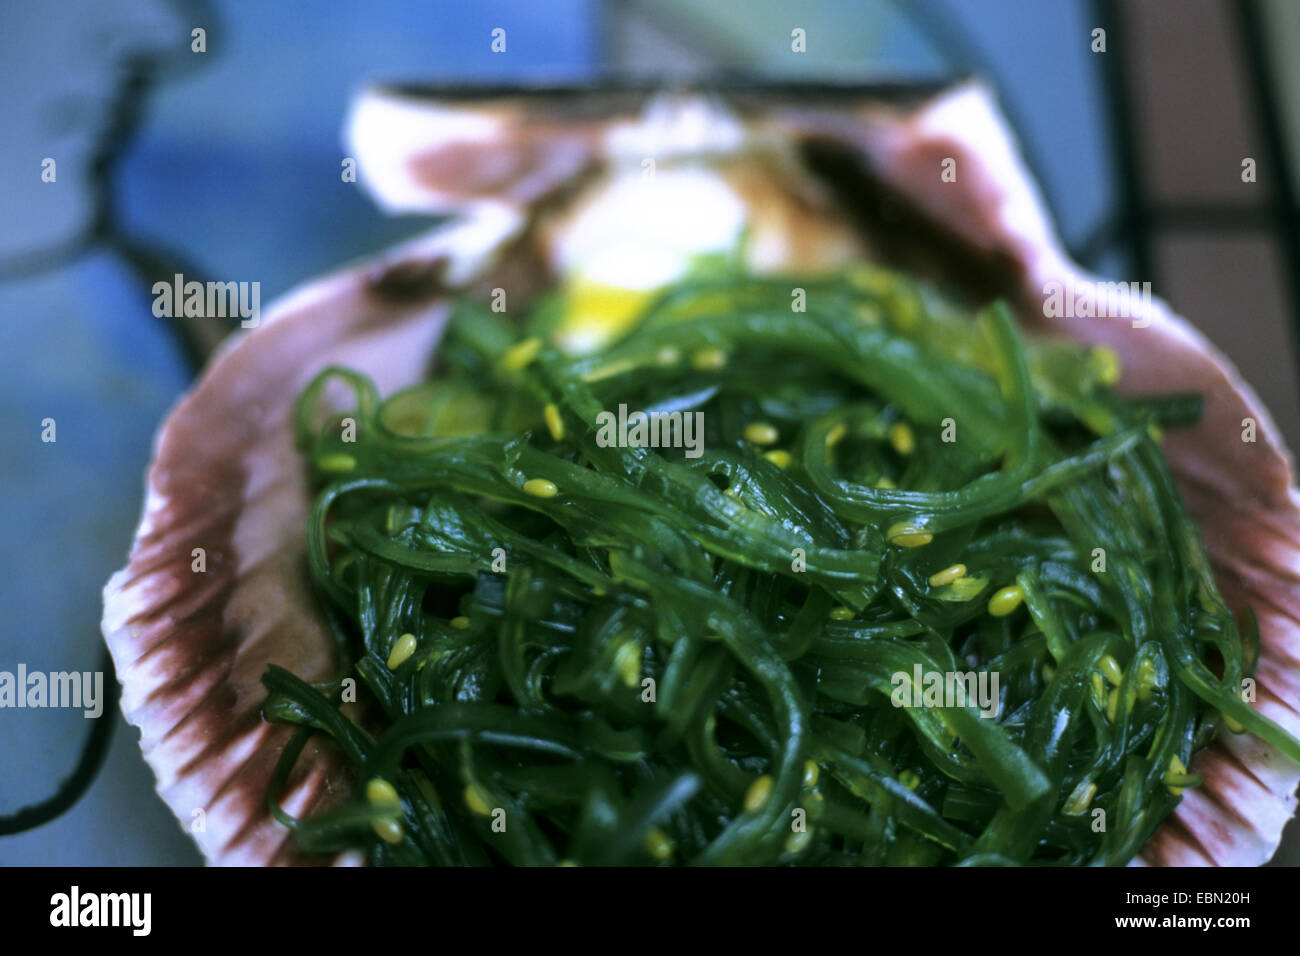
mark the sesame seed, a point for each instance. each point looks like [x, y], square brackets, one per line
[554, 423]
[798, 840]
[901, 437]
[1080, 798]
[521, 354]
[336, 462]
[709, 360]
[779, 457]
[908, 536]
[628, 663]
[1146, 678]
[947, 575]
[477, 801]
[1006, 600]
[1107, 362]
[387, 829]
[811, 773]
[541, 488]
[658, 844]
[402, 649]
[758, 793]
[1176, 778]
[381, 793]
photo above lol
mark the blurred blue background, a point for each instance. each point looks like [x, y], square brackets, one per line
[226, 164]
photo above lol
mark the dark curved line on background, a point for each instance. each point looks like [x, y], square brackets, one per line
[141, 75]
[89, 761]
[124, 119]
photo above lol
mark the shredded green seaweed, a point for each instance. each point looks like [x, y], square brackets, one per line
[574, 650]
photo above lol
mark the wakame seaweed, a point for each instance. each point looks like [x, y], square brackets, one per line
[574, 648]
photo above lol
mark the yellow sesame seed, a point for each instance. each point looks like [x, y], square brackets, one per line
[387, 829]
[779, 457]
[1111, 669]
[1146, 678]
[901, 437]
[554, 423]
[1080, 798]
[908, 536]
[758, 793]
[1108, 367]
[610, 370]
[886, 483]
[1112, 704]
[841, 614]
[1177, 772]
[947, 575]
[1099, 691]
[540, 488]
[868, 313]
[872, 279]
[761, 433]
[658, 844]
[709, 360]
[477, 801]
[1232, 725]
[1006, 600]
[798, 840]
[628, 663]
[668, 355]
[336, 462]
[1156, 432]
[519, 355]
[402, 649]
[811, 773]
[836, 433]
[381, 793]
[460, 623]
[909, 779]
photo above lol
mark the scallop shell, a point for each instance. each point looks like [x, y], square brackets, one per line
[824, 175]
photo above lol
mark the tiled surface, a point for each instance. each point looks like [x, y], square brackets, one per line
[1197, 122]
[1245, 316]
[1192, 96]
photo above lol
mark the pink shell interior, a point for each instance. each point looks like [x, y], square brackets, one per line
[190, 647]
